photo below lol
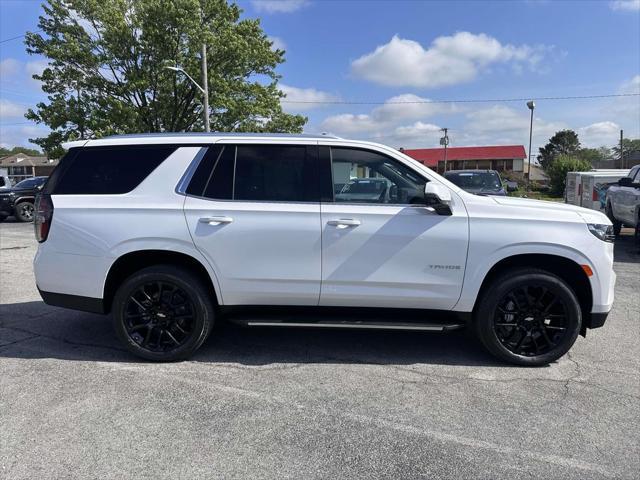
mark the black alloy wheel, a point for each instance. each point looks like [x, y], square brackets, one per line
[163, 313]
[530, 320]
[528, 317]
[159, 316]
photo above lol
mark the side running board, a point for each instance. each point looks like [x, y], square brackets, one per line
[352, 324]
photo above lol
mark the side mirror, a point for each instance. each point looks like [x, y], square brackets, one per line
[437, 192]
[438, 197]
[625, 182]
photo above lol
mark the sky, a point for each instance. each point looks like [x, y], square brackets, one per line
[396, 72]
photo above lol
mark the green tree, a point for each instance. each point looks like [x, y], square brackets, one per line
[564, 142]
[107, 69]
[628, 146]
[594, 155]
[5, 152]
[558, 170]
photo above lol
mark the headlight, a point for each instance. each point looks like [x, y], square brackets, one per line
[603, 232]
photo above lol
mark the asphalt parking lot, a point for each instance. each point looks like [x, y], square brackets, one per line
[308, 404]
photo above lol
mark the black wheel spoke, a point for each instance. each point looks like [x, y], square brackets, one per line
[530, 320]
[160, 316]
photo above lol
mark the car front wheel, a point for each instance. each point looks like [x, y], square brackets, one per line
[163, 313]
[528, 317]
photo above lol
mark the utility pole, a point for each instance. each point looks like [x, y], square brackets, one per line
[205, 87]
[531, 106]
[621, 149]
[445, 141]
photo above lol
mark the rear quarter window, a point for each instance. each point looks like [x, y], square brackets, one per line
[106, 170]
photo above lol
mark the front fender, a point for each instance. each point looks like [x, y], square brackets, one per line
[477, 270]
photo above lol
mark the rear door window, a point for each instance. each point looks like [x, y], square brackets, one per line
[267, 173]
[107, 170]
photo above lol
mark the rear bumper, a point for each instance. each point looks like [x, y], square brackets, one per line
[73, 302]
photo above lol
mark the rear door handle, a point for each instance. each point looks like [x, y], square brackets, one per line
[216, 220]
[344, 222]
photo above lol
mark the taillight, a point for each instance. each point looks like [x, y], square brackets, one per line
[43, 217]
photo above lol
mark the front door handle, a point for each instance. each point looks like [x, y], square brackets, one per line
[216, 220]
[344, 222]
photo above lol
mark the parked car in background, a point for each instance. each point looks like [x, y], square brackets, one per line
[623, 202]
[479, 182]
[173, 232]
[19, 200]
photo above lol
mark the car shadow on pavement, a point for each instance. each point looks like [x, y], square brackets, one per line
[35, 330]
[626, 248]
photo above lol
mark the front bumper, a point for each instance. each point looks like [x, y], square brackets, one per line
[597, 320]
[6, 206]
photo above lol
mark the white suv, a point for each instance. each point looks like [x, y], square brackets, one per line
[172, 232]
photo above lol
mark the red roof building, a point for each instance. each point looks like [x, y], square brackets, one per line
[501, 158]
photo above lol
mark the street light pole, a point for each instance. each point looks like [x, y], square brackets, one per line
[205, 90]
[205, 83]
[531, 105]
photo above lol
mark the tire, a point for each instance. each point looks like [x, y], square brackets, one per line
[24, 211]
[3, 218]
[163, 313]
[617, 226]
[528, 317]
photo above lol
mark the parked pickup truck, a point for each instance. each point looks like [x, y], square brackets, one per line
[623, 202]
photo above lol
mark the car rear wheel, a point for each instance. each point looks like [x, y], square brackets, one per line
[528, 317]
[24, 211]
[2, 218]
[617, 226]
[163, 313]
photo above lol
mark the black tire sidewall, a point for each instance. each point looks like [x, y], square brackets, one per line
[185, 280]
[486, 313]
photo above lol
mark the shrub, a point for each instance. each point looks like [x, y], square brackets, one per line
[558, 170]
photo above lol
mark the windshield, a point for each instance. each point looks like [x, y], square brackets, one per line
[31, 182]
[475, 180]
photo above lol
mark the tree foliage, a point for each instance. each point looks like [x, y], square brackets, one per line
[107, 69]
[559, 168]
[564, 142]
[628, 146]
[594, 155]
[32, 152]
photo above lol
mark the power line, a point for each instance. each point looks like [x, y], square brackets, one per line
[484, 100]
[18, 37]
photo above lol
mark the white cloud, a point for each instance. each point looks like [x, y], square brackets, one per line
[449, 60]
[19, 135]
[278, 6]
[9, 109]
[418, 130]
[625, 5]
[36, 67]
[311, 95]
[278, 43]
[385, 117]
[9, 67]
[599, 133]
[16, 73]
[632, 86]
[500, 124]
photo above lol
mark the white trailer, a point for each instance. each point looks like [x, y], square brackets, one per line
[594, 185]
